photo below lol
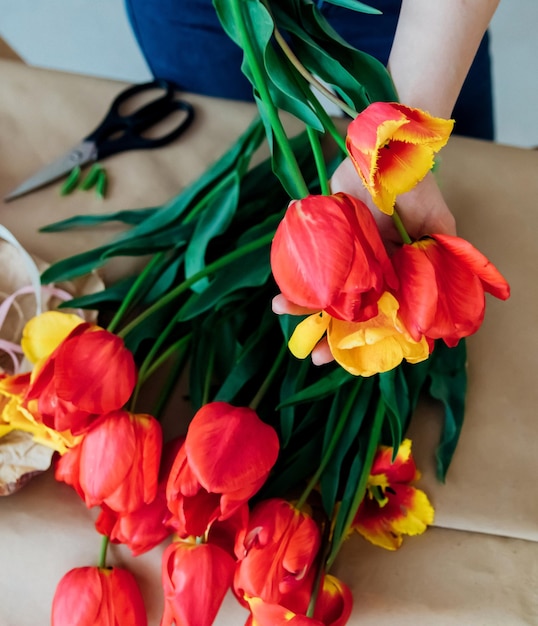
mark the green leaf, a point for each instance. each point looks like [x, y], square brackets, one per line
[157, 226]
[323, 387]
[293, 380]
[214, 220]
[395, 394]
[355, 5]
[349, 491]
[331, 479]
[287, 86]
[252, 270]
[131, 217]
[251, 357]
[358, 78]
[448, 376]
[107, 298]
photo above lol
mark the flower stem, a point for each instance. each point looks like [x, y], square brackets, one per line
[319, 160]
[102, 554]
[327, 121]
[149, 365]
[400, 227]
[269, 378]
[133, 294]
[333, 442]
[208, 375]
[187, 284]
[373, 442]
[246, 39]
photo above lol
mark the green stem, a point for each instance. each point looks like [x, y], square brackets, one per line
[208, 376]
[208, 197]
[333, 442]
[149, 369]
[319, 160]
[327, 121]
[170, 384]
[133, 292]
[400, 227]
[269, 378]
[187, 284]
[102, 554]
[149, 366]
[246, 38]
[310, 78]
[320, 571]
[373, 443]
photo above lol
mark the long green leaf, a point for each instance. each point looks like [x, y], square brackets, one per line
[134, 216]
[448, 376]
[212, 222]
[323, 387]
[333, 478]
[355, 5]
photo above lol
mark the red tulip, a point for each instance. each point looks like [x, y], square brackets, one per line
[392, 147]
[195, 580]
[92, 596]
[327, 255]
[442, 284]
[227, 456]
[116, 463]
[90, 373]
[146, 527]
[276, 552]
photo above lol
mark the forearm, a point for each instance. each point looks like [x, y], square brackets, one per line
[434, 46]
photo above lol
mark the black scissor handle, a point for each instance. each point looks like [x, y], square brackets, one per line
[118, 132]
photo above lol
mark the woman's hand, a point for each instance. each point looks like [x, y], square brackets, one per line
[423, 210]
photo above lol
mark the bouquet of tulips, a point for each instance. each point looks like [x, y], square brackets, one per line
[304, 343]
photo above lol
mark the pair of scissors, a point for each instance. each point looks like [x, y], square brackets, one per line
[117, 133]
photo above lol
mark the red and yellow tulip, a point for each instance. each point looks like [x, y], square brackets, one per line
[71, 385]
[14, 415]
[392, 147]
[392, 507]
[362, 348]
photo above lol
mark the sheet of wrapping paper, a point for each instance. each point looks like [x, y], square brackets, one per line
[479, 565]
[21, 457]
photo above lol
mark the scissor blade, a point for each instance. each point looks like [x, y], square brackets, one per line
[83, 153]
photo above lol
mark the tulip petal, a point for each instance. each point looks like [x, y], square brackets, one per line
[376, 345]
[102, 470]
[334, 603]
[492, 280]
[310, 252]
[195, 580]
[220, 451]
[268, 614]
[43, 333]
[77, 598]
[99, 357]
[307, 334]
